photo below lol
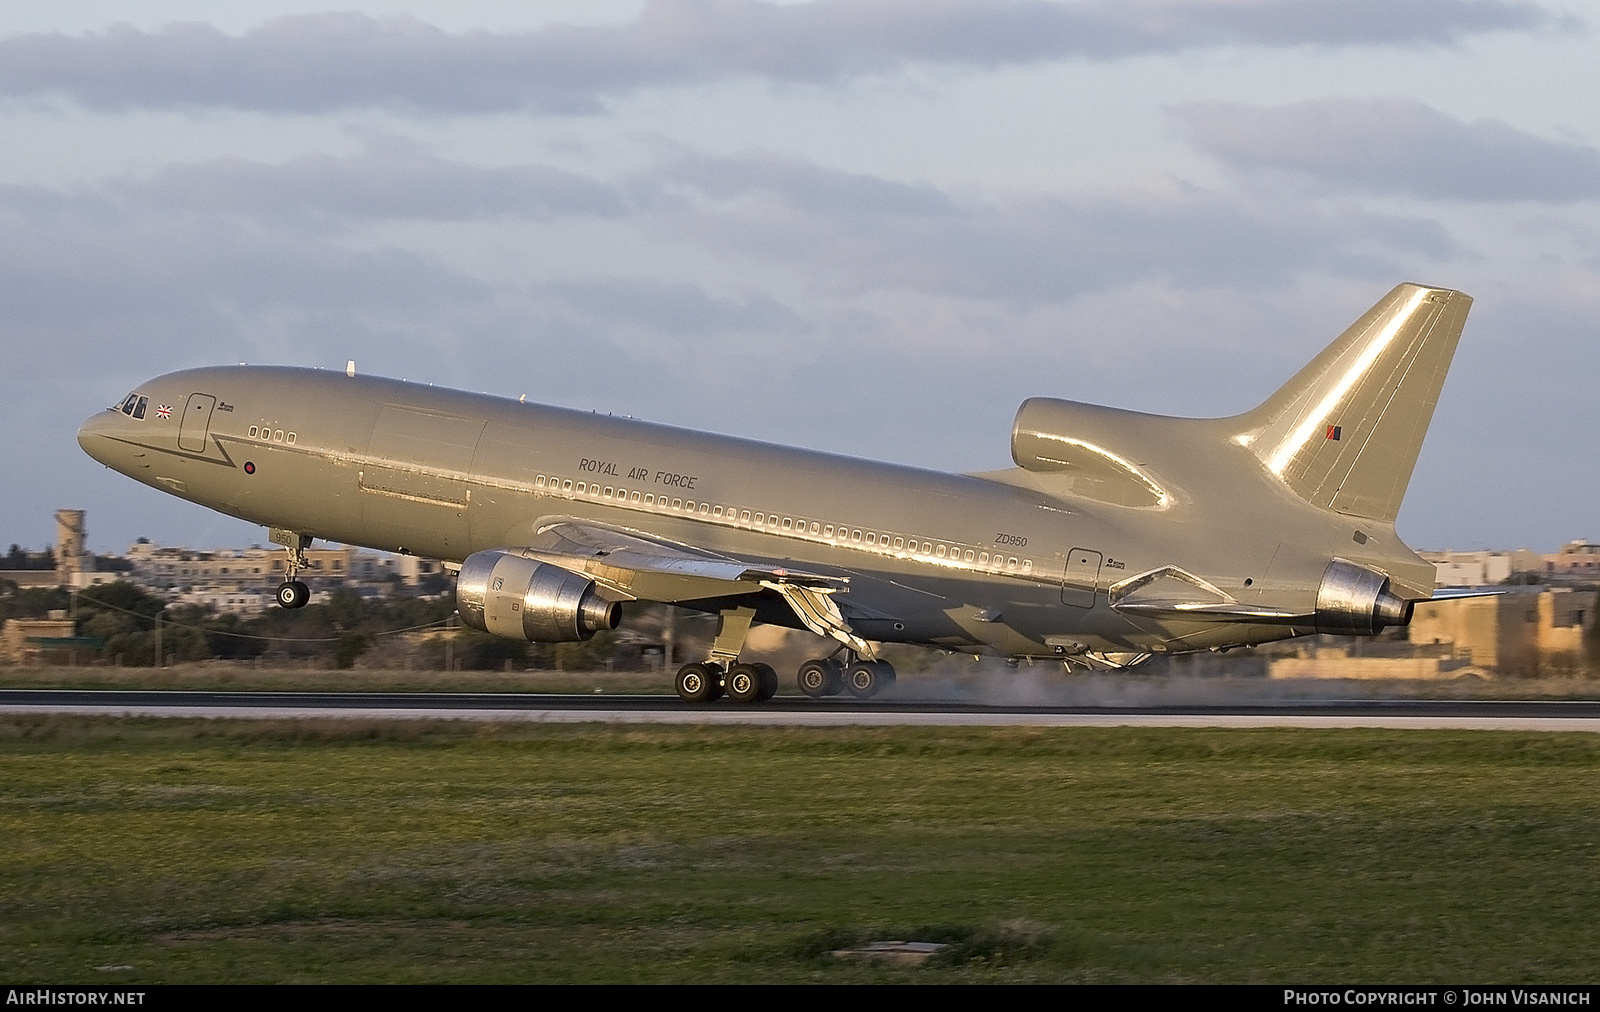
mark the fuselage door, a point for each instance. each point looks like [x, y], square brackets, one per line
[1083, 577]
[196, 422]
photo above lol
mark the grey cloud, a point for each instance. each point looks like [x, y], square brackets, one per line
[672, 309]
[385, 184]
[1035, 249]
[322, 62]
[1395, 146]
[245, 223]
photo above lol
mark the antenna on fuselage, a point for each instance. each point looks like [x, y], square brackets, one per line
[350, 367]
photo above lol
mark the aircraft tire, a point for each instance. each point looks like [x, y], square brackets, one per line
[743, 683]
[697, 682]
[293, 594]
[820, 676]
[769, 683]
[865, 679]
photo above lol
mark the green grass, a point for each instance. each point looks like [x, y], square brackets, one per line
[416, 851]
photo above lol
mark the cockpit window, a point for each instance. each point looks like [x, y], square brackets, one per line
[127, 405]
[138, 409]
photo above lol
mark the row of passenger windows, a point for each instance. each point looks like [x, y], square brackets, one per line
[269, 434]
[793, 525]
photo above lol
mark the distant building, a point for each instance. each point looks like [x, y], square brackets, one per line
[1481, 569]
[75, 565]
[35, 640]
[1578, 561]
[1519, 632]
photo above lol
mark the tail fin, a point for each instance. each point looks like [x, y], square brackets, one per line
[1344, 433]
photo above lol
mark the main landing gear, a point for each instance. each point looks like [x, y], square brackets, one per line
[742, 683]
[725, 674]
[828, 676]
[705, 681]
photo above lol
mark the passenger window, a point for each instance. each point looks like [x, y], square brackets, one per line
[253, 431]
[855, 535]
[566, 486]
[745, 516]
[649, 500]
[1027, 565]
[827, 531]
[538, 482]
[813, 527]
[939, 551]
[291, 438]
[717, 512]
[969, 555]
[634, 497]
[705, 508]
[772, 520]
[872, 538]
[677, 504]
[983, 558]
[277, 435]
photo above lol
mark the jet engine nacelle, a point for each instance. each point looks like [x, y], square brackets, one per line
[503, 593]
[1356, 601]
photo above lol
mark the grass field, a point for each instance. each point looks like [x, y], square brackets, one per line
[169, 850]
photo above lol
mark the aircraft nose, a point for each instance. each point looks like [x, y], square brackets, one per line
[93, 435]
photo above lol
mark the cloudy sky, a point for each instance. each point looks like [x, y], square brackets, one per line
[866, 226]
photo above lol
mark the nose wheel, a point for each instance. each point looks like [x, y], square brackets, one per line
[293, 594]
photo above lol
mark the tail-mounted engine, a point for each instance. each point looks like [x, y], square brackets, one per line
[508, 595]
[1356, 601]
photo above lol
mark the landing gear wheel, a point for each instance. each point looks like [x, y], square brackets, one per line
[769, 683]
[866, 679]
[743, 683]
[293, 594]
[698, 683]
[821, 676]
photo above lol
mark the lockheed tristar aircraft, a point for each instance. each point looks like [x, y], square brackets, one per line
[1118, 535]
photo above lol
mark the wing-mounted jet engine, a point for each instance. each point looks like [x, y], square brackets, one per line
[509, 595]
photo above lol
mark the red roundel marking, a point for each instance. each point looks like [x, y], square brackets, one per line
[249, 467]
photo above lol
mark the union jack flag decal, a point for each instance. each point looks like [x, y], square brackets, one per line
[1334, 431]
[163, 411]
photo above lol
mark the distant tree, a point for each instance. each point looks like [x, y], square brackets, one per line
[1591, 636]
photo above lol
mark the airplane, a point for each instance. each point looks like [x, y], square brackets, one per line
[1117, 536]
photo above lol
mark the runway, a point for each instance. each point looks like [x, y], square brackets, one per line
[1519, 715]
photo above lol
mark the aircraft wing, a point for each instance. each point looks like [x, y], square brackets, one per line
[634, 565]
[630, 565]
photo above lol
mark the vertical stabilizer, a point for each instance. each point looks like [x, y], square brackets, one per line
[1344, 433]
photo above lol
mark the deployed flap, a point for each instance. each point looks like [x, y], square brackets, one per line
[1344, 433]
[636, 566]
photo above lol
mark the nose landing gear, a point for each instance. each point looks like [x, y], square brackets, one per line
[292, 593]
